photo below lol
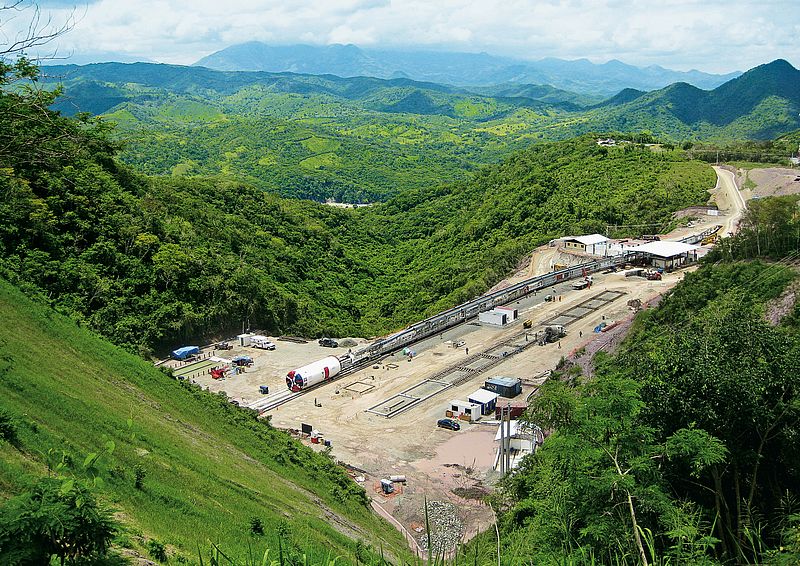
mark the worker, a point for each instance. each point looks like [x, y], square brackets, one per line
[559, 344]
[467, 351]
[580, 333]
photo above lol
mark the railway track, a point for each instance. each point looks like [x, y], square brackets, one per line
[457, 315]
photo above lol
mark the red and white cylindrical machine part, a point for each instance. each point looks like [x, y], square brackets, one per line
[313, 373]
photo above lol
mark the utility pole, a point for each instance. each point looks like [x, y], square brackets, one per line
[508, 438]
[501, 450]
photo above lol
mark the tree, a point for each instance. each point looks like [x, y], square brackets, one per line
[54, 519]
[33, 31]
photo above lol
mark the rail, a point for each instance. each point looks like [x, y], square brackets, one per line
[461, 313]
[470, 309]
[464, 312]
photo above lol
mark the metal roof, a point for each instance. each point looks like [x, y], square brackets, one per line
[505, 381]
[665, 248]
[589, 240]
[482, 396]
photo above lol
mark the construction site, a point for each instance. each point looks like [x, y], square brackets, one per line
[378, 406]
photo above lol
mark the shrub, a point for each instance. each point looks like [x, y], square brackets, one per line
[139, 473]
[157, 550]
[256, 526]
[8, 428]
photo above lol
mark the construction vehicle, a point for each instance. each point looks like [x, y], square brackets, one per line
[223, 346]
[527, 324]
[653, 276]
[552, 334]
[218, 373]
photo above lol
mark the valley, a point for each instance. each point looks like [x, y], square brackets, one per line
[441, 465]
[361, 139]
[320, 305]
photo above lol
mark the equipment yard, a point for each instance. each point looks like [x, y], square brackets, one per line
[380, 419]
[349, 412]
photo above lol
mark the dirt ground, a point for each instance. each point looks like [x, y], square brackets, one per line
[773, 181]
[435, 461]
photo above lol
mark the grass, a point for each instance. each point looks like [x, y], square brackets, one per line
[318, 161]
[209, 467]
[317, 144]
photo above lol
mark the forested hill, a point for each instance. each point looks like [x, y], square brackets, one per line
[319, 137]
[363, 139]
[151, 262]
[761, 104]
[469, 69]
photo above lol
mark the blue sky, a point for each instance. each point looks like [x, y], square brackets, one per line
[710, 35]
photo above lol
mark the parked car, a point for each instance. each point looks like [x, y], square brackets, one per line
[448, 423]
[223, 346]
[328, 343]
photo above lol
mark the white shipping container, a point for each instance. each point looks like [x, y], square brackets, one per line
[493, 318]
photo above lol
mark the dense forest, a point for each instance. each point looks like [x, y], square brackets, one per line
[151, 262]
[363, 139]
[682, 447]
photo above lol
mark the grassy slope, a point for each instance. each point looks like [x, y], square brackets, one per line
[207, 474]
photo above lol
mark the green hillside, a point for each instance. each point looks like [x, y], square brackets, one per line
[761, 104]
[389, 135]
[680, 447]
[209, 467]
[151, 263]
[385, 136]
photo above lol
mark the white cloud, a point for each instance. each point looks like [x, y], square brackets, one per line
[712, 35]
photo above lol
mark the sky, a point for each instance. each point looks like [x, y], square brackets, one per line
[710, 35]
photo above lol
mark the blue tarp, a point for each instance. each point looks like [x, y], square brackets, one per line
[242, 359]
[185, 352]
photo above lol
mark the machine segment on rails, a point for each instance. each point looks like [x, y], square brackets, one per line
[330, 368]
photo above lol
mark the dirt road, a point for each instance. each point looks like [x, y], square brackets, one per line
[730, 196]
[440, 464]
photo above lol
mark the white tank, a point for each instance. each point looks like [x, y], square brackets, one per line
[313, 373]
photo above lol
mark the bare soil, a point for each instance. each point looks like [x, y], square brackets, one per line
[439, 464]
[774, 181]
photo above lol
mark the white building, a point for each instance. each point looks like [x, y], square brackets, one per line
[586, 244]
[464, 410]
[487, 400]
[494, 317]
[667, 255]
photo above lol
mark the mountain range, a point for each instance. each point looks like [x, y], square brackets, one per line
[460, 69]
[763, 103]
[363, 139]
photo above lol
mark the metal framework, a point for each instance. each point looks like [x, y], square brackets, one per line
[580, 310]
[464, 312]
[479, 363]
